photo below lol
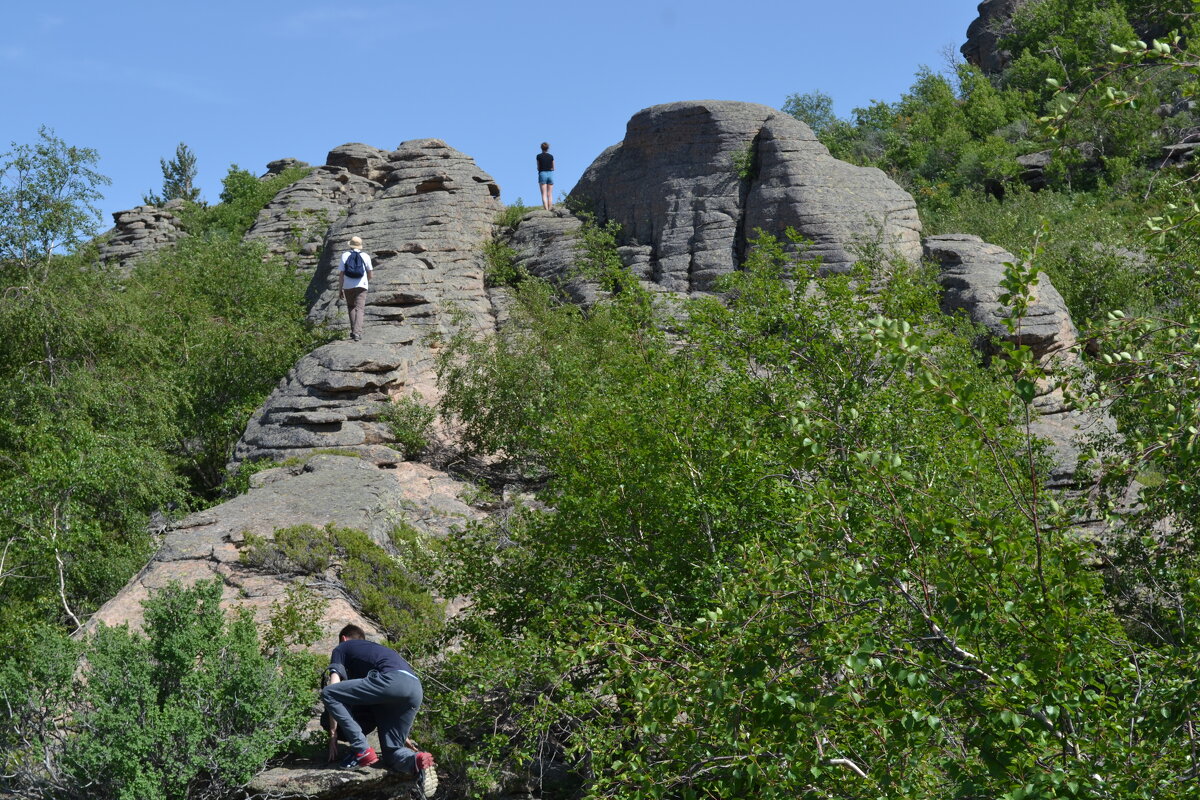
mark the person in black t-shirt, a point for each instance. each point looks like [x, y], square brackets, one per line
[545, 164]
[368, 677]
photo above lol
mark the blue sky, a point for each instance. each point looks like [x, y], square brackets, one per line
[253, 81]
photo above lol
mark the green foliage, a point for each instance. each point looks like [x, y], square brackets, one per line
[815, 109]
[179, 176]
[122, 396]
[192, 709]
[510, 217]
[242, 197]
[502, 268]
[386, 586]
[411, 423]
[745, 162]
[941, 137]
[238, 323]
[47, 192]
[796, 549]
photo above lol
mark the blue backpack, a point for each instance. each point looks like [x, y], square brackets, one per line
[354, 267]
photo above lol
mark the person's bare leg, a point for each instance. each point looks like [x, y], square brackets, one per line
[546, 190]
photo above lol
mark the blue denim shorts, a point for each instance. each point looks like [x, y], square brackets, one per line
[546, 176]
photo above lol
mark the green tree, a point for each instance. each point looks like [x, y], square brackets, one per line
[179, 176]
[795, 548]
[812, 108]
[47, 191]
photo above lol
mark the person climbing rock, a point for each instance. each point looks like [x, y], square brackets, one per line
[366, 676]
[354, 275]
[545, 165]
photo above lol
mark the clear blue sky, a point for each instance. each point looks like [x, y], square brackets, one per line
[256, 80]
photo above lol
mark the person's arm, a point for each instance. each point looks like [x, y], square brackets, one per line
[333, 729]
[552, 163]
[342, 277]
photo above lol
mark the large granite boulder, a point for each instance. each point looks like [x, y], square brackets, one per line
[140, 232]
[692, 181]
[424, 225]
[971, 271]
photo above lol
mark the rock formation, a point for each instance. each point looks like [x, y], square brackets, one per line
[140, 232]
[424, 222]
[346, 491]
[693, 181]
[424, 212]
[982, 47]
[971, 271]
[293, 225]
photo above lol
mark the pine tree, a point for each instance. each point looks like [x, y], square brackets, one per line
[179, 175]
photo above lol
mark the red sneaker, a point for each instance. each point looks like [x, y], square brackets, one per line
[424, 760]
[364, 759]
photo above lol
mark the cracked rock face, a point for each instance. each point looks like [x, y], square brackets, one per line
[294, 223]
[673, 184]
[140, 232]
[983, 35]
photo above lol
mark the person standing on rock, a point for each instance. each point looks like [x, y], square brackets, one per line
[366, 674]
[354, 273]
[545, 164]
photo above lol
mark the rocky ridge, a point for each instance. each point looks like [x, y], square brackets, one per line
[423, 212]
[140, 232]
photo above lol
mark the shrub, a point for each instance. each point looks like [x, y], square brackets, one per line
[502, 268]
[411, 423]
[510, 217]
[794, 521]
[386, 587]
[192, 709]
[745, 162]
[242, 197]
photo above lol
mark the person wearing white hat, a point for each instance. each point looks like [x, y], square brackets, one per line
[354, 275]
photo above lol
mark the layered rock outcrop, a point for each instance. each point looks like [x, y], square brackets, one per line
[424, 222]
[971, 271]
[140, 232]
[692, 181]
[293, 225]
[982, 47]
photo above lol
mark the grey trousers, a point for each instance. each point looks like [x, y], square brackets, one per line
[356, 304]
[394, 697]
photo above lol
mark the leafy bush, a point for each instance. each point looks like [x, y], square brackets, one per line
[502, 268]
[387, 587]
[510, 217]
[411, 423]
[798, 522]
[745, 162]
[192, 709]
[119, 396]
[242, 197]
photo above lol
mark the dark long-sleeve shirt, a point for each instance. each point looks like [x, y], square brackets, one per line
[354, 658]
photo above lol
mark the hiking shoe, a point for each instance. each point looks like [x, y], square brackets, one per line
[427, 779]
[355, 760]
